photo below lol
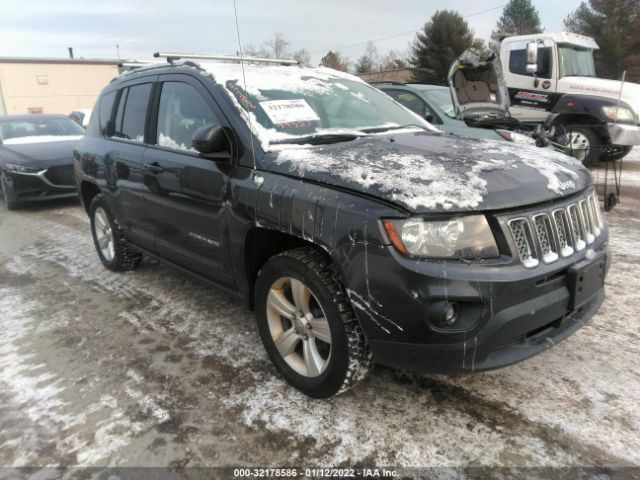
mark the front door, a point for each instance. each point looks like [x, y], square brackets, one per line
[532, 96]
[185, 192]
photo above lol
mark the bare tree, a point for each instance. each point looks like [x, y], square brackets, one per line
[250, 50]
[278, 45]
[303, 57]
[392, 60]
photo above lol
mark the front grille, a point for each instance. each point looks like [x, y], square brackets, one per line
[546, 236]
[61, 175]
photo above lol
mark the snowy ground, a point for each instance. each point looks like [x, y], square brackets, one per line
[151, 369]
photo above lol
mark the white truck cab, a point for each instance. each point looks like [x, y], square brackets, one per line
[554, 74]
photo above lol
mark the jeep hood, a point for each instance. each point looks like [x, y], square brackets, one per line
[604, 88]
[431, 172]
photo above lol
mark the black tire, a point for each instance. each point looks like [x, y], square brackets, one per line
[9, 196]
[616, 152]
[593, 149]
[124, 258]
[350, 359]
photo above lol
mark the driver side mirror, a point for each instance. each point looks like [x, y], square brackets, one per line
[211, 140]
[532, 58]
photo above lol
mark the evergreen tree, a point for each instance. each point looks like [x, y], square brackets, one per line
[443, 38]
[335, 60]
[615, 26]
[519, 17]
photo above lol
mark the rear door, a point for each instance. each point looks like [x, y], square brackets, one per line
[532, 96]
[123, 161]
[186, 192]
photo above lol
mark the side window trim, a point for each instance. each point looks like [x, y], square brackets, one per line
[151, 79]
[155, 109]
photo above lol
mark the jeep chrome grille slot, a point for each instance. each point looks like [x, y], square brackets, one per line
[586, 220]
[549, 235]
[563, 232]
[577, 228]
[546, 238]
[524, 241]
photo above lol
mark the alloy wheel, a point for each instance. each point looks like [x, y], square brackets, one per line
[104, 234]
[299, 327]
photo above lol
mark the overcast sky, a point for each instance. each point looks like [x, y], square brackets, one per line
[45, 28]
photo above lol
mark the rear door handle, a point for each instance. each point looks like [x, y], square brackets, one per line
[154, 167]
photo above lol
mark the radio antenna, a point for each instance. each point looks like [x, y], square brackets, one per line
[244, 80]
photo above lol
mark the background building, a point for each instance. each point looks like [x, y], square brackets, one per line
[45, 85]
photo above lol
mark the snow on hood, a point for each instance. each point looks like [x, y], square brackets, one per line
[427, 172]
[40, 139]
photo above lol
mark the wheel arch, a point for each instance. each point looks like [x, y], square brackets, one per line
[261, 244]
[88, 191]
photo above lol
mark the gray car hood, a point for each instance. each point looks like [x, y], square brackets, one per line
[427, 172]
[38, 155]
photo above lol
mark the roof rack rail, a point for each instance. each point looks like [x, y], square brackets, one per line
[171, 56]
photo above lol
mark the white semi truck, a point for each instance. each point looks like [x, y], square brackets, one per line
[554, 74]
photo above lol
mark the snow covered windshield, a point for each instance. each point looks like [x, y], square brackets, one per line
[285, 104]
[14, 131]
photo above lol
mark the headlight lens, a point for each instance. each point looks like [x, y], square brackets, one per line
[21, 168]
[467, 237]
[515, 137]
[624, 114]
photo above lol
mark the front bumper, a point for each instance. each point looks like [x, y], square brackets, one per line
[49, 183]
[624, 134]
[506, 311]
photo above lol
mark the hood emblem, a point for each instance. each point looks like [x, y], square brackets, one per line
[568, 185]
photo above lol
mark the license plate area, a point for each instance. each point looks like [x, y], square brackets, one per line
[584, 279]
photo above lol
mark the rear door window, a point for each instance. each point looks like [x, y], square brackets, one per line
[105, 109]
[181, 112]
[132, 112]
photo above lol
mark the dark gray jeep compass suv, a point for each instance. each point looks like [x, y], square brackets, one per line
[356, 231]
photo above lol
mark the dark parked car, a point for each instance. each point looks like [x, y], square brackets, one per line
[36, 157]
[355, 231]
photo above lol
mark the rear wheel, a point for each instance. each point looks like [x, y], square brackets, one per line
[8, 194]
[111, 246]
[307, 325]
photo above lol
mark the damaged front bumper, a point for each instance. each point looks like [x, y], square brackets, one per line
[506, 313]
[624, 134]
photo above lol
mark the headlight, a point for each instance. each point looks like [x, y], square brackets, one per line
[462, 237]
[624, 114]
[21, 168]
[510, 136]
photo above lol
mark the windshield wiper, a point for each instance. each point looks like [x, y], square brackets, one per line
[318, 139]
[393, 127]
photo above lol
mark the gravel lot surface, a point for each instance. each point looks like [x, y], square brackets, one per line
[149, 368]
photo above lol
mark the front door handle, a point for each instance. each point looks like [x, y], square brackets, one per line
[154, 167]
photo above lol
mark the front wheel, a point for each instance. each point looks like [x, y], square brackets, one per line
[112, 248]
[307, 325]
[584, 145]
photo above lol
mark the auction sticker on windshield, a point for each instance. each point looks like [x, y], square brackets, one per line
[287, 111]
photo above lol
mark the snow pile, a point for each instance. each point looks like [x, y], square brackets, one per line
[166, 141]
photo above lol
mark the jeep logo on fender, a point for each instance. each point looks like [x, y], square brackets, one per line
[568, 185]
